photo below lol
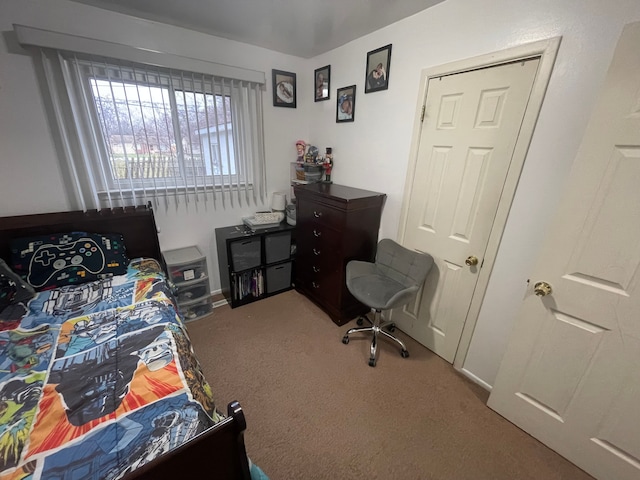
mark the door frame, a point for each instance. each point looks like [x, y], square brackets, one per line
[546, 50]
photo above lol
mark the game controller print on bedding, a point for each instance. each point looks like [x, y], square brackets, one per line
[68, 259]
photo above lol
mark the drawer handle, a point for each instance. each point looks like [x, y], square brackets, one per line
[316, 252]
[315, 285]
[315, 269]
[316, 233]
[317, 214]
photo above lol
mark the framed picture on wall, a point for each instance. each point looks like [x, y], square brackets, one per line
[284, 88]
[346, 104]
[322, 83]
[377, 72]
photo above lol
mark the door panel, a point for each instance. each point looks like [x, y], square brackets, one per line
[570, 375]
[472, 122]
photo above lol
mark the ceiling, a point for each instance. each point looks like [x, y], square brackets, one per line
[304, 28]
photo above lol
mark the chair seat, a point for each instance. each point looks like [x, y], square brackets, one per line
[375, 291]
[391, 282]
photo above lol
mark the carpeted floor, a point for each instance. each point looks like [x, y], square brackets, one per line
[316, 410]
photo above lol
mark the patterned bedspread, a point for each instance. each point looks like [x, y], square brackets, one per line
[98, 379]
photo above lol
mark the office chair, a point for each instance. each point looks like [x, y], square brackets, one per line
[390, 282]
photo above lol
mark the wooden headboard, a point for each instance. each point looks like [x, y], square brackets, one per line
[136, 224]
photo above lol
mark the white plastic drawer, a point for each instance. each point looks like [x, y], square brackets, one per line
[193, 290]
[188, 272]
[196, 309]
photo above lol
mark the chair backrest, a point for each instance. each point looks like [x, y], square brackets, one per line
[408, 267]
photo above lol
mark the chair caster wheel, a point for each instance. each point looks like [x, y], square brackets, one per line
[345, 340]
[404, 353]
[391, 328]
[372, 362]
[360, 321]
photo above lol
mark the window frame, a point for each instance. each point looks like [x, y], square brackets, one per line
[88, 75]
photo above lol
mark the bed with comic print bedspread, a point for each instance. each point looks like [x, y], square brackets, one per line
[98, 379]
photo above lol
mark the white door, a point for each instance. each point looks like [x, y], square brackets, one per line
[471, 125]
[571, 373]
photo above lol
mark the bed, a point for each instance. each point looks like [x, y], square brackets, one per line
[98, 378]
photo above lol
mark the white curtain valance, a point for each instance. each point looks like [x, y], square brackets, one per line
[131, 133]
[37, 37]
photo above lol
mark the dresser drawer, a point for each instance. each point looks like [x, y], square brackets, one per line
[313, 251]
[314, 262]
[320, 214]
[319, 237]
[321, 280]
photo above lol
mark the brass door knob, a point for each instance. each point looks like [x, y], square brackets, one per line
[542, 289]
[471, 261]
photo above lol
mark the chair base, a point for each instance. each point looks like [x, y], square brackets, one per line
[377, 329]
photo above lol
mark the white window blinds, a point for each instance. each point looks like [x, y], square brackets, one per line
[132, 133]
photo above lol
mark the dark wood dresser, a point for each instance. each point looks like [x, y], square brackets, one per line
[334, 224]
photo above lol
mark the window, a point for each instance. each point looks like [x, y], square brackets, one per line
[146, 132]
[155, 133]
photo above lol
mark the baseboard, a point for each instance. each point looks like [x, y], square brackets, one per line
[476, 380]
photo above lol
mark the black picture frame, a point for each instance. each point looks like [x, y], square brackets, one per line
[376, 75]
[284, 88]
[322, 83]
[346, 104]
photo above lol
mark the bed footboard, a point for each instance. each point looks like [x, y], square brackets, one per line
[217, 453]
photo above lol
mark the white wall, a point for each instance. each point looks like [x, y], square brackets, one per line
[370, 153]
[30, 177]
[373, 151]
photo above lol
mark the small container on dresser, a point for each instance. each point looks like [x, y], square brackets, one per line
[335, 224]
[187, 269]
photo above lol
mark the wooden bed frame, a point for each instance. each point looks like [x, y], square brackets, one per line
[138, 227]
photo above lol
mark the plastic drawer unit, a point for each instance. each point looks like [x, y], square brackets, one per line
[187, 269]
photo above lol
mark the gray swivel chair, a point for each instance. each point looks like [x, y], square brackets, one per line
[390, 282]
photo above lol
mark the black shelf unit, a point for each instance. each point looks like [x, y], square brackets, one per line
[254, 264]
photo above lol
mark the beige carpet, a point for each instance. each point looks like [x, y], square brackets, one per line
[316, 410]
